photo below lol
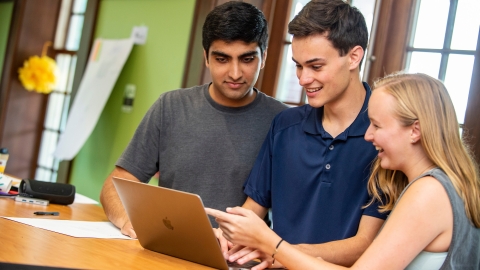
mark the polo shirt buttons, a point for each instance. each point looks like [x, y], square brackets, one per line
[327, 166]
[331, 147]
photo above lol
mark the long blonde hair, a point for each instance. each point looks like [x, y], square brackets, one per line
[423, 98]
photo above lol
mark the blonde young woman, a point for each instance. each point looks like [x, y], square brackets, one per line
[426, 173]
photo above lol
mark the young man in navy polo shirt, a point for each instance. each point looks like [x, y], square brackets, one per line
[313, 167]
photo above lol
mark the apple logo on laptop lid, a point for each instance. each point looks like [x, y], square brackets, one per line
[167, 223]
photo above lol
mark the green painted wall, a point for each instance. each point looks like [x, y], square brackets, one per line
[6, 9]
[154, 68]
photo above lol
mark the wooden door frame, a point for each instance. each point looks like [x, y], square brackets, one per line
[22, 113]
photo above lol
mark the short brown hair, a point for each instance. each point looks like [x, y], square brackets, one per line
[343, 24]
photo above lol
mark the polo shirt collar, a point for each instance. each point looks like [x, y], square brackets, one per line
[313, 122]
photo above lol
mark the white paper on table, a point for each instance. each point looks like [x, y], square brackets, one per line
[104, 66]
[85, 229]
[79, 198]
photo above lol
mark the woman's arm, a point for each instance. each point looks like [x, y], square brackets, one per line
[422, 220]
[243, 227]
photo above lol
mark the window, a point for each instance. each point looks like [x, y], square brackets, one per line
[67, 41]
[289, 91]
[443, 44]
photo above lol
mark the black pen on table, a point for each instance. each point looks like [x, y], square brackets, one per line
[46, 213]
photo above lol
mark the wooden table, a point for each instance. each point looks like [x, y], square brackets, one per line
[24, 244]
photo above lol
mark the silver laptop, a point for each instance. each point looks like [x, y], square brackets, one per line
[172, 222]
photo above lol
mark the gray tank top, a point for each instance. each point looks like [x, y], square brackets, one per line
[464, 251]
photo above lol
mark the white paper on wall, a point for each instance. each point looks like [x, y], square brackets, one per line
[104, 66]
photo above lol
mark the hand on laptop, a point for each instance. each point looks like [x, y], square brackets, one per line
[225, 245]
[243, 226]
[242, 254]
[127, 229]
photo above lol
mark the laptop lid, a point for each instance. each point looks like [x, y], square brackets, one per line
[171, 222]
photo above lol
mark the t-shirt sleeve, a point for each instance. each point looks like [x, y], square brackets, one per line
[141, 156]
[258, 184]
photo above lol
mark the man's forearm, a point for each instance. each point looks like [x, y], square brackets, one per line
[112, 205]
[110, 201]
[347, 251]
[255, 207]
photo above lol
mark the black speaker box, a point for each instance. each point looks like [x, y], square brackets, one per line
[54, 192]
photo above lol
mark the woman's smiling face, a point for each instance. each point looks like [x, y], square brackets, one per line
[389, 136]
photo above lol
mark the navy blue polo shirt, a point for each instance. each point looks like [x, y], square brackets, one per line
[316, 185]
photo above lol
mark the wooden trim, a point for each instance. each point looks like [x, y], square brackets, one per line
[267, 6]
[63, 51]
[471, 124]
[393, 32]
[23, 112]
[278, 25]
[10, 52]
[52, 26]
[267, 9]
[195, 63]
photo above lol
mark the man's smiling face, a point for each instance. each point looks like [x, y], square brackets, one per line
[321, 70]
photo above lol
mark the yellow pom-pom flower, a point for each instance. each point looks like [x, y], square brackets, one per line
[39, 74]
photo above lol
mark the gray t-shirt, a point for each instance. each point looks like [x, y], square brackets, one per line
[464, 251]
[199, 146]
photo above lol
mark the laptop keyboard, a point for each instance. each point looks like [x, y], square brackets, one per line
[247, 265]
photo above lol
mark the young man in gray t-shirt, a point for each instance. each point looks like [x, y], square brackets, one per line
[205, 139]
